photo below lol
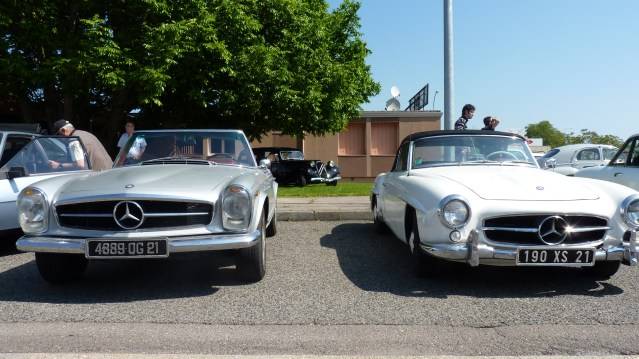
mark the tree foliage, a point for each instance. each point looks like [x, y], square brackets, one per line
[545, 130]
[259, 65]
[554, 138]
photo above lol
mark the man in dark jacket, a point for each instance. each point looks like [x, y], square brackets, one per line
[98, 156]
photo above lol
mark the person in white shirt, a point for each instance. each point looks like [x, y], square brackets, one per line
[129, 129]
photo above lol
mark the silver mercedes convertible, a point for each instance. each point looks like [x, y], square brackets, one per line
[170, 191]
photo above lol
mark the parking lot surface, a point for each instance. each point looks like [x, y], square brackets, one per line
[331, 287]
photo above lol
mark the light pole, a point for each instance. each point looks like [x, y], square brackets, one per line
[449, 90]
[435, 98]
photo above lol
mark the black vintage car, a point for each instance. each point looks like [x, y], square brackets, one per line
[288, 166]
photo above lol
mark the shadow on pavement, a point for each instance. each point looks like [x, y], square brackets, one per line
[380, 263]
[182, 276]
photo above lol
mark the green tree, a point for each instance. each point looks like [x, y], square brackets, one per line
[258, 65]
[551, 136]
[587, 136]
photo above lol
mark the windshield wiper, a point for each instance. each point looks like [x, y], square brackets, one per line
[177, 160]
[519, 161]
[478, 161]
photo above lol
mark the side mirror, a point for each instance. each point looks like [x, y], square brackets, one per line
[265, 163]
[550, 163]
[16, 172]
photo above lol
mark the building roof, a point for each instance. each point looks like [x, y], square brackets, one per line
[418, 135]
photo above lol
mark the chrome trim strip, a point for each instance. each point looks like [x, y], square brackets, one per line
[535, 230]
[90, 215]
[116, 197]
[511, 229]
[587, 229]
[153, 215]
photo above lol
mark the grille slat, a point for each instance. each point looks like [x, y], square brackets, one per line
[158, 214]
[522, 230]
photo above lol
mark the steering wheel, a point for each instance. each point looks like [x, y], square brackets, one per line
[492, 156]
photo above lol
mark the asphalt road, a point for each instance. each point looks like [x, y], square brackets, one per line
[331, 288]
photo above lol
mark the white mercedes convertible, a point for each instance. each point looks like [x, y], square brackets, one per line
[479, 197]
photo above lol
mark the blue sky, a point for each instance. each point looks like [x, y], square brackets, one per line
[572, 62]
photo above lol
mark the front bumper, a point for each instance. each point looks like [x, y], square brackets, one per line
[475, 252]
[212, 242]
[325, 180]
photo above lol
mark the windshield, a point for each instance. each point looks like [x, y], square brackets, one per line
[467, 150]
[291, 155]
[50, 155]
[220, 147]
[609, 153]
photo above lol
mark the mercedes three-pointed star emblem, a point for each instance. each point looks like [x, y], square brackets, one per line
[553, 230]
[128, 215]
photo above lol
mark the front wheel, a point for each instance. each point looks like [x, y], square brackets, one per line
[58, 268]
[424, 265]
[271, 230]
[251, 262]
[301, 180]
[602, 270]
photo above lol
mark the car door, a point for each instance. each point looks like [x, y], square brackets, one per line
[587, 157]
[393, 204]
[12, 145]
[624, 167]
[32, 158]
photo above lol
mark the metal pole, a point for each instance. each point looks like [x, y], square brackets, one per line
[449, 86]
[434, 99]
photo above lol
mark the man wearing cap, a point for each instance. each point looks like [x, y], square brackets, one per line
[98, 156]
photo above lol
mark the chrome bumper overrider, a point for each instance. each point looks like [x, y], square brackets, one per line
[212, 242]
[473, 252]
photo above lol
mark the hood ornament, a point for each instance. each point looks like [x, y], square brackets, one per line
[129, 186]
[540, 188]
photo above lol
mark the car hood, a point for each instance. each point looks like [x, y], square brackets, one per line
[171, 179]
[514, 183]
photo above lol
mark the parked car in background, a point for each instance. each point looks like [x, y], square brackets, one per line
[11, 142]
[29, 165]
[622, 169]
[466, 196]
[170, 191]
[289, 167]
[569, 159]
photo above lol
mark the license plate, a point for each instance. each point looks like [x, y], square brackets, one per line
[555, 257]
[127, 248]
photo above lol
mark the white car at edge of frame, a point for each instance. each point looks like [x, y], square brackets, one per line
[479, 198]
[622, 169]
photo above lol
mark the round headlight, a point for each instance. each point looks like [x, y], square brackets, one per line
[630, 211]
[32, 210]
[454, 211]
[236, 208]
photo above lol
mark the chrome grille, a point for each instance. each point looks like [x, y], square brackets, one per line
[157, 214]
[524, 229]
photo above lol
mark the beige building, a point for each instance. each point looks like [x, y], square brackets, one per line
[367, 146]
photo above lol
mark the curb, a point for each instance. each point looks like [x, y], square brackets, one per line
[322, 216]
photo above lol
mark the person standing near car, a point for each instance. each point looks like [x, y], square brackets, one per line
[129, 129]
[467, 113]
[490, 123]
[98, 156]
